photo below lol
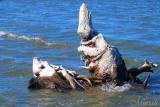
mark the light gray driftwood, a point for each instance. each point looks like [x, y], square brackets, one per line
[85, 28]
[101, 59]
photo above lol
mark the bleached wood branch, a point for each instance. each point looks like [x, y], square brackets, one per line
[85, 28]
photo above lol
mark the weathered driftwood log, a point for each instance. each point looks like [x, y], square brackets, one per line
[102, 59]
[56, 77]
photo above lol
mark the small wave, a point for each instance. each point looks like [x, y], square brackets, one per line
[110, 87]
[30, 38]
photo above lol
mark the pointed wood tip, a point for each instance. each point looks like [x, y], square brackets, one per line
[83, 7]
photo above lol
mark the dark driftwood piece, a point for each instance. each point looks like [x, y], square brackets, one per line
[47, 76]
[57, 82]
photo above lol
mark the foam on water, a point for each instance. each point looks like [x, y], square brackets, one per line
[110, 87]
[29, 38]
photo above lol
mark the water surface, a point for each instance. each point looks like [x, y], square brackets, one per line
[47, 29]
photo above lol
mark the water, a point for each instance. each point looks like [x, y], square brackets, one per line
[47, 29]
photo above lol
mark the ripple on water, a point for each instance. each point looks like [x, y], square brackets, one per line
[35, 39]
[112, 88]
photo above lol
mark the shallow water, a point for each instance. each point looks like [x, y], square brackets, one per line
[47, 29]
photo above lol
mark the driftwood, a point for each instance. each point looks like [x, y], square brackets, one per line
[56, 77]
[104, 62]
[101, 59]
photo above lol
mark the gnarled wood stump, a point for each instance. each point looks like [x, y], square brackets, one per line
[101, 59]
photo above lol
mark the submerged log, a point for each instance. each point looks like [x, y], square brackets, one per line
[47, 76]
[49, 82]
[146, 67]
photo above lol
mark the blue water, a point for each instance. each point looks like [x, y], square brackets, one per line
[47, 29]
